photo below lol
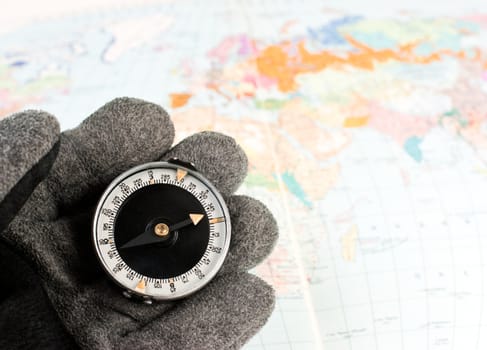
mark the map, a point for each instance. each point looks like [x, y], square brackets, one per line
[366, 132]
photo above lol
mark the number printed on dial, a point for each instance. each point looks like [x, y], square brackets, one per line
[161, 230]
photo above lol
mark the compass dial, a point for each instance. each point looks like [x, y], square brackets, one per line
[161, 230]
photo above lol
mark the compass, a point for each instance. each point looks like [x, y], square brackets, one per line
[161, 230]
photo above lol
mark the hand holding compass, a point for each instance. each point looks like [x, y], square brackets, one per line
[153, 197]
[52, 231]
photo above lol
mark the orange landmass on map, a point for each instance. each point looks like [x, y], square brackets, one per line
[282, 63]
[179, 100]
[355, 122]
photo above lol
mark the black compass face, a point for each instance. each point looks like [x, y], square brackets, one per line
[174, 253]
[161, 230]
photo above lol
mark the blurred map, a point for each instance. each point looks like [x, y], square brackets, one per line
[366, 131]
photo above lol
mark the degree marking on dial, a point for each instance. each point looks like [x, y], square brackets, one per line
[152, 181]
[196, 218]
[141, 286]
[180, 174]
[217, 220]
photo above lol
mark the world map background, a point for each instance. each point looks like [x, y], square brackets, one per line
[366, 133]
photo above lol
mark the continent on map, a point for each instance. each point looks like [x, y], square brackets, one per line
[129, 34]
[14, 95]
[372, 51]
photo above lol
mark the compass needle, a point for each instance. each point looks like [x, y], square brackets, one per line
[154, 234]
[146, 237]
[193, 219]
[196, 218]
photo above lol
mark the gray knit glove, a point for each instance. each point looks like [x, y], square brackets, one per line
[52, 230]
[28, 148]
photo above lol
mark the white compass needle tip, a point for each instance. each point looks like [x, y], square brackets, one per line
[196, 218]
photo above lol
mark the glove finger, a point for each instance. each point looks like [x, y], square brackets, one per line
[28, 148]
[121, 134]
[254, 233]
[218, 157]
[230, 309]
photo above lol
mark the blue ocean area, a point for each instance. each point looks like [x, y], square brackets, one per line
[412, 147]
[295, 188]
[376, 40]
[328, 34]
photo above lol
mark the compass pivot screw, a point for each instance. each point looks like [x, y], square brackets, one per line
[161, 230]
